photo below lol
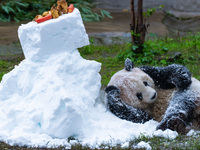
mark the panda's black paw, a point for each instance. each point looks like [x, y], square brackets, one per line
[112, 88]
[174, 123]
[113, 94]
[177, 124]
[182, 78]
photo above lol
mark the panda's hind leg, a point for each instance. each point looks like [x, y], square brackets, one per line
[179, 113]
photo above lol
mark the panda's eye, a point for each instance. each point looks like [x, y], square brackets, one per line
[139, 96]
[146, 83]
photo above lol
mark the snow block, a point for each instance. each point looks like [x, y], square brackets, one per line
[53, 36]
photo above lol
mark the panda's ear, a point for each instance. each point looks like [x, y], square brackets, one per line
[128, 64]
[111, 88]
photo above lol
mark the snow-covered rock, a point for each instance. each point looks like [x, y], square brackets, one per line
[49, 91]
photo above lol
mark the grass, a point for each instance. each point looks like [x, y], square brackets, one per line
[6, 66]
[157, 53]
[182, 142]
[112, 61]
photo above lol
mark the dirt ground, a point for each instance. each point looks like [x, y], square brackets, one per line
[119, 23]
[8, 33]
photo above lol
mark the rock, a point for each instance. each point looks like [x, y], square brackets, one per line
[173, 56]
[110, 38]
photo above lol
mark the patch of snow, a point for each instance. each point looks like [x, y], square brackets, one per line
[143, 144]
[125, 145]
[53, 94]
[166, 134]
[193, 133]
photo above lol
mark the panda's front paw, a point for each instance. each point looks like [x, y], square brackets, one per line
[113, 94]
[177, 124]
[111, 88]
[174, 123]
[182, 78]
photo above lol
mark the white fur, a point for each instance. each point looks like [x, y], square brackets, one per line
[130, 83]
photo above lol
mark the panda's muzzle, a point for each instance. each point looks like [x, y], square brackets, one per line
[154, 96]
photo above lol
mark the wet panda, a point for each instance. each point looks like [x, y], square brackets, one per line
[168, 95]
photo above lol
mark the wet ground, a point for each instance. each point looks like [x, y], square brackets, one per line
[105, 30]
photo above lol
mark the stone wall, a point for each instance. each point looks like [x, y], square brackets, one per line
[178, 8]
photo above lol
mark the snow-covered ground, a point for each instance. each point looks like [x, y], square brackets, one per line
[54, 93]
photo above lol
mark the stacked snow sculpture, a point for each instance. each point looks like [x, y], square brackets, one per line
[49, 91]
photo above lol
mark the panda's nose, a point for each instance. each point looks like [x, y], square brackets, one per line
[154, 96]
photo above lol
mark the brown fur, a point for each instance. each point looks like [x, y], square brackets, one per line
[161, 103]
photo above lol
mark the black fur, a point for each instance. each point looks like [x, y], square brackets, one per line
[122, 110]
[179, 112]
[128, 64]
[169, 77]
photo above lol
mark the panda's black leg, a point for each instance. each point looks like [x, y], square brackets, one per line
[122, 110]
[174, 123]
[166, 77]
[169, 77]
[179, 113]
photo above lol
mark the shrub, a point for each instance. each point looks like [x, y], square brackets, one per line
[18, 10]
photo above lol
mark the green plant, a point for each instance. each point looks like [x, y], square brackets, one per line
[18, 10]
[138, 29]
[86, 9]
[88, 49]
[12, 10]
[148, 57]
[151, 11]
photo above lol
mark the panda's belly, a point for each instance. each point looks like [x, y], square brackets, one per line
[196, 88]
[162, 102]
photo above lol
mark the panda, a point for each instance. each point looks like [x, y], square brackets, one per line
[168, 95]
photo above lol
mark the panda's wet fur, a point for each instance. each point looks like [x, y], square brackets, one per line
[132, 82]
[175, 102]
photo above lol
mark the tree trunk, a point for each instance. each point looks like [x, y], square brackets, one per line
[138, 31]
[132, 25]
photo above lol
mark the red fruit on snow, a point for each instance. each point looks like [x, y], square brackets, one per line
[70, 8]
[48, 17]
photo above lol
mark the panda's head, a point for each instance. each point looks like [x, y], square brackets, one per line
[136, 87]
